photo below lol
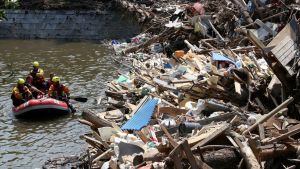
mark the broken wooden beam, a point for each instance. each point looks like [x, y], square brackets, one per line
[248, 155]
[93, 118]
[211, 137]
[283, 136]
[170, 138]
[267, 116]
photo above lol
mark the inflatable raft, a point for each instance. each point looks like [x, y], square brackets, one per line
[41, 107]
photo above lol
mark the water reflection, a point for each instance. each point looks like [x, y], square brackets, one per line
[83, 66]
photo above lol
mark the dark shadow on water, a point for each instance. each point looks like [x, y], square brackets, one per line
[45, 117]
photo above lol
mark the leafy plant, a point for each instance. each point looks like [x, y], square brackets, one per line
[2, 15]
[11, 4]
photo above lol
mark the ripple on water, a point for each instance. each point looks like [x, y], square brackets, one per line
[84, 66]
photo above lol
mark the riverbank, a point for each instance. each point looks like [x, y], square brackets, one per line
[205, 79]
[56, 4]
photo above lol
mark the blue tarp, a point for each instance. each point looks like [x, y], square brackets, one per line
[142, 117]
[220, 57]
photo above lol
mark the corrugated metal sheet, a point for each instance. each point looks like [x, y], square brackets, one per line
[142, 117]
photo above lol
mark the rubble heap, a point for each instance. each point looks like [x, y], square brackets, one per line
[211, 84]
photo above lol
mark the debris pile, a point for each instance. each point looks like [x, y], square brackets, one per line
[211, 84]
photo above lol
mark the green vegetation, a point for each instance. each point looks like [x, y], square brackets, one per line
[2, 15]
[11, 4]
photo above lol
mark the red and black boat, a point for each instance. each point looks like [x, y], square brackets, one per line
[41, 107]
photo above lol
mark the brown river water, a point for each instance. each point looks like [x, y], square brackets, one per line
[84, 66]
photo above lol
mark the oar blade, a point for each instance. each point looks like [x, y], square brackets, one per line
[80, 99]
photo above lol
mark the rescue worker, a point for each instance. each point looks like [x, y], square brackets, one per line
[36, 69]
[38, 76]
[35, 92]
[20, 93]
[60, 92]
[39, 82]
[49, 81]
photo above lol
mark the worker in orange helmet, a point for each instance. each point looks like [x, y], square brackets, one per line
[20, 93]
[60, 92]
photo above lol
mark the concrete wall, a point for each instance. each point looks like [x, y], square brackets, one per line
[91, 25]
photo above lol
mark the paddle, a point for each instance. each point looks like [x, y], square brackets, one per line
[79, 99]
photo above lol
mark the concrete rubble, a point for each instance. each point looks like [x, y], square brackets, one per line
[211, 84]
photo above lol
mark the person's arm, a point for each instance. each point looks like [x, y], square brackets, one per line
[33, 88]
[67, 91]
[28, 93]
[50, 92]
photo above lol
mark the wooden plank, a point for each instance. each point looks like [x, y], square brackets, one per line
[232, 141]
[177, 154]
[174, 154]
[109, 85]
[294, 127]
[177, 162]
[277, 127]
[233, 120]
[267, 116]
[98, 137]
[102, 155]
[280, 45]
[255, 40]
[284, 49]
[202, 134]
[82, 121]
[211, 137]
[290, 30]
[170, 138]
[171, 130]
[164, 84]
[142, 136]
[289, 55]
[283, 136]
[272, 97]
[92, 140]
[249, 157]
[188, 152]
[172, 111]
[237, 87]
[261, 130]
[222, 117]
[182, 81]
[189, 155]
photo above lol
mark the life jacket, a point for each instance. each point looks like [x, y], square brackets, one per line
[17, 92]
[37, 74]
[34, 71]
[38, 79]
[58, 90]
